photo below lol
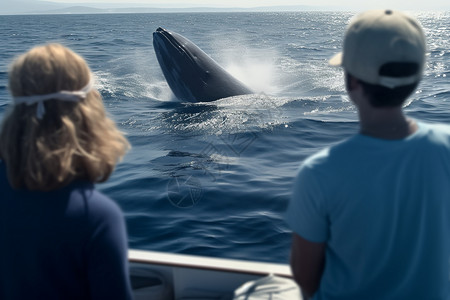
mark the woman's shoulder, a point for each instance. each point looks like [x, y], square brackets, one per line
[86, 199]
[2, 168]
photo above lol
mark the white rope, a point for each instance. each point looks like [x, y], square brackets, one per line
[73, 96]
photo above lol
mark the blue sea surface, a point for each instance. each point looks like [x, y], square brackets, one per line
[214, 178]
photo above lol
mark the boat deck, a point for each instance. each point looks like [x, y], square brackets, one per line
[158, 275]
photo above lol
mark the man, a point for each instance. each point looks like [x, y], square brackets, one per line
[371, 215]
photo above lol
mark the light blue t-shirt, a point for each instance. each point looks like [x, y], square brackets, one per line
[383, 208]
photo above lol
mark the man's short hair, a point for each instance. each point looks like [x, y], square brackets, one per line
[381, 96]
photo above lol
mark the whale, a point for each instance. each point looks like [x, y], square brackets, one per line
[191, 74]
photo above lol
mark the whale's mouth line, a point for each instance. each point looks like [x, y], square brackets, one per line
[164, 36]
[161, 33]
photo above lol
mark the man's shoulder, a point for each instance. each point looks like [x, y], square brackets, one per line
[435, 127]
[436, 132]
[333, 153]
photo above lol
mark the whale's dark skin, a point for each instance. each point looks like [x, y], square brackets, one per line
[191, 74]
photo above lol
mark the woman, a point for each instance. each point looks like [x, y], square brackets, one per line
[60, 238]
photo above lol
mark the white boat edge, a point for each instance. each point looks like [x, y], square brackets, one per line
[161, 275]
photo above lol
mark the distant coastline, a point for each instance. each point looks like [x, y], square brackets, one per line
[38, 7]
[55, 8]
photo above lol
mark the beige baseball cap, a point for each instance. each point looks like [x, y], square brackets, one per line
[377, 37]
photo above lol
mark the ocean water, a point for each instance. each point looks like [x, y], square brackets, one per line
[214, 178]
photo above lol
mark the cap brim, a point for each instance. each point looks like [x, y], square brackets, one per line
[336, 60]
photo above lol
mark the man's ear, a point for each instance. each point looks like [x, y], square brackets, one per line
[351, 83]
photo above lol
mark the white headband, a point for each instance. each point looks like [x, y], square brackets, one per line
[73, 96]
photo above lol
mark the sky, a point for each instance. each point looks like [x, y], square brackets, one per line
[400, 4]
[17, 6]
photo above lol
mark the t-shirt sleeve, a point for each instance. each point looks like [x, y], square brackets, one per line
[108, 272]
[306, 213]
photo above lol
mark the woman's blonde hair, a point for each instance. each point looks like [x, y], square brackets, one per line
[73, 140]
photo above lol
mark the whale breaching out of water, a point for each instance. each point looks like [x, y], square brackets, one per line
[191, 74]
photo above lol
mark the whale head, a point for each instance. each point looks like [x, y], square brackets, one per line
[191, 74]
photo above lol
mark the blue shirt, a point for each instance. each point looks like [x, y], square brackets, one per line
[383, 209]
[68, 243]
